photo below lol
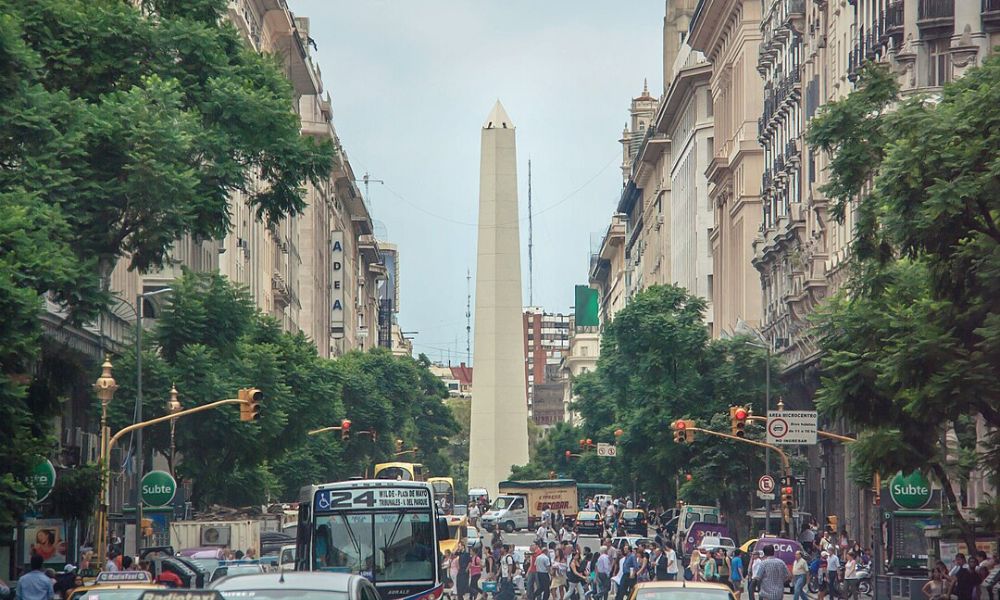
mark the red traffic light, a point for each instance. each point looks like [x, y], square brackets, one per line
[741, 414]
[345, 425]
[619, 432]
[786, 490]
[568, 454]
[688, 477]
[590, 442]
[680, 425]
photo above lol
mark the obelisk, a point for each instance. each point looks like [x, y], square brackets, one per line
[499, 428]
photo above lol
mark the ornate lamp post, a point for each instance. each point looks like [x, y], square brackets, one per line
[105, 388]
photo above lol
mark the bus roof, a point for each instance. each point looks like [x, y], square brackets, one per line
[402, 465]
[307, 492]
[537, 483]
[444, 479]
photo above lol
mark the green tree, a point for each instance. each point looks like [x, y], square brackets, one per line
[122, 129]
[658, 364]
[912, 346]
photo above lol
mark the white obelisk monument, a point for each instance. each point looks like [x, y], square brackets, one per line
[499, 428]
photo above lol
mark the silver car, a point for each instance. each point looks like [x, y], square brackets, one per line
[296, 585]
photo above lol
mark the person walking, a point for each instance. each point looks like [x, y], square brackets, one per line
[736, 573]
[752, 580]
[576, 576]
[851, 576]
[630, 567]
[710, 571]
[833, 575]
[543, 578]
[936, 587]
[462, 577]
[531, 573]
[35, 584]
[673, 565]
[772, 577]
[475, 573]
[507, 570]
[800, 575]
[558, 573]
[603, 567]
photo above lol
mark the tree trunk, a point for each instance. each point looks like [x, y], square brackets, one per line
[968, 533]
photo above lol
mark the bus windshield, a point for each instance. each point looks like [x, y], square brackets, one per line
[382, 547]
[396, 473]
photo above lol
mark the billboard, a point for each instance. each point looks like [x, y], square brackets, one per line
[586, 307]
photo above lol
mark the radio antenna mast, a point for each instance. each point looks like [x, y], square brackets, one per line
[531, 273]
[468, 317]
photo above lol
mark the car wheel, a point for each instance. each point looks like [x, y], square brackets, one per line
[509, 527]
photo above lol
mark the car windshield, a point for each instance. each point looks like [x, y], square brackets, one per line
[207, 564]
[110, 594]
[501, 503]
[232, 570]
[384, 547]
[283, 594]
[678, 593]
[631, 514]
[586, 515]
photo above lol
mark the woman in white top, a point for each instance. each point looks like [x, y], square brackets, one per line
[851, 576]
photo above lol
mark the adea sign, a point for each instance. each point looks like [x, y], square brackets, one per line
[910, 491]
[158, 488]
[42, 479]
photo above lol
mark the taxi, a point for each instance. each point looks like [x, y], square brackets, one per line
[634, 520]
[589, 521]
[116, 585]
[681, 590]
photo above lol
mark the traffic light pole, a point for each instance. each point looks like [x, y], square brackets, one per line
[102, 511]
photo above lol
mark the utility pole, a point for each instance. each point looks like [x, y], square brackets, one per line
[531, 274]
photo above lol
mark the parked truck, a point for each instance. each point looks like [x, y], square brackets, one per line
[519, 504]
[233, 535]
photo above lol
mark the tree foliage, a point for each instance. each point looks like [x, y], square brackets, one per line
[658, 364]
[122, 129]
[210, 341]
[912, 346]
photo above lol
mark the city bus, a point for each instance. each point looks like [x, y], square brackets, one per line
[444, 493]
[387, 531]
[400, 471]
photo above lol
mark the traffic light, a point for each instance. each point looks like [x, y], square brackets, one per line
[250, 403]
[345, 430]
[147, 527]
[689, 431]
[678, 427]
[568, 454]
[399, 445]
[788, 497]
[738, 418]
[831, 522]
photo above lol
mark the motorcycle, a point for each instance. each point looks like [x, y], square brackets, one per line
[864, 575]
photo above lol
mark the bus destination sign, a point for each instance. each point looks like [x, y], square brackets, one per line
[372, 498]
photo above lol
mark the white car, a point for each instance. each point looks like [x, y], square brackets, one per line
[710, 542]
[632, 541]
[474, 538]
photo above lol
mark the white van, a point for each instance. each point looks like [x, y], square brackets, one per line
[509, 512]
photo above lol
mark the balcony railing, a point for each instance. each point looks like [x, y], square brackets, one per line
[791, 150]
[991, 15]
[936, 14]
[779, 163]
[894, 21]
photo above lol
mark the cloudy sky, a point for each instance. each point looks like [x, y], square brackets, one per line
[412, 82]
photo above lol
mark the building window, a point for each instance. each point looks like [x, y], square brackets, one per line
[708, 103]
[938, 62]
[584, 351]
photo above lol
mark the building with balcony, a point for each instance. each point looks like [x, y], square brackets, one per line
[728, 33]
[607, 269]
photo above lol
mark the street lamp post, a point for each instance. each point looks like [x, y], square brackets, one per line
[173, 407]
[139, 455]
[105, 388]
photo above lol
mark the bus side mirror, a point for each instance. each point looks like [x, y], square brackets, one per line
[442, 528]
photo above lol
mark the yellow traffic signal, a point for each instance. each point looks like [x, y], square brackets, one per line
[738, 418]
[250, 403]
[345, 430]
[689, 431]
[147, 527]
[399, 445]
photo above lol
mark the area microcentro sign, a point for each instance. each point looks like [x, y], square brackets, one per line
[158, 488]
[910, 491]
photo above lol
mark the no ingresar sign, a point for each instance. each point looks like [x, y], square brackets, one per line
[791, 427]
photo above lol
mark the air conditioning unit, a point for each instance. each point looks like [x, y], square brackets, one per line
[215, 535]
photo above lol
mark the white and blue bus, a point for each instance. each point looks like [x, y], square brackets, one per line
[387, 531]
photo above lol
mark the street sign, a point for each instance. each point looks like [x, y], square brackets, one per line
[42, 479]
[607, 450]
[765, 484]
[158, 488]
[791, 427]
[910, 491]
[764, 495]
